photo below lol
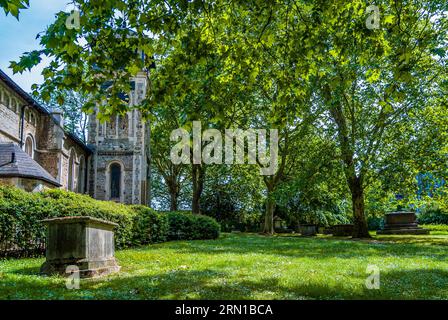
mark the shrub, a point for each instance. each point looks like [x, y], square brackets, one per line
[187, 226]
[21, 214]
[63, 203]
[149, 226]
[375, 223]
[18, 228]
[23, 233]
[433, 214]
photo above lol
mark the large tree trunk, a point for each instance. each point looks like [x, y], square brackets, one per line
[174, 195]
[269, 217]
[173, 201]
[198, 172]
[359, 220]
[174, 189]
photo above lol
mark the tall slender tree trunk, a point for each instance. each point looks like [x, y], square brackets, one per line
[354, 179]
[269, 217]
[148, 181]
[360, 224]
[173, 201]
[270, 208]
[173, 188]
[198, 172]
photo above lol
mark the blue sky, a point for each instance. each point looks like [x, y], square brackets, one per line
[17, 37]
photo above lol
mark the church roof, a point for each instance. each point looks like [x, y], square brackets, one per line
[15, 163]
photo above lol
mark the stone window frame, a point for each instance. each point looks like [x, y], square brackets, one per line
[123, 124]
[32, 119]
[108, 180]
[28, 115]
[16, 105]
[111, 127]
[30, 137]
[81, 174]
[71, 174]
[7, 101]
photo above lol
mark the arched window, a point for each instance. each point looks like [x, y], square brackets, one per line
[71, 171]
[111, 128]
[29, 146]
[115, 181]
[123, 122]
[81, 175]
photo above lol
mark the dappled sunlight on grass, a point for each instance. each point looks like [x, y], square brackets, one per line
[250, 266]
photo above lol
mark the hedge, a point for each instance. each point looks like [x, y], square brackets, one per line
[149, 226]
[432, 215]
[22, 233]
[187, 226]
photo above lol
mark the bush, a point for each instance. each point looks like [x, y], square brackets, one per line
[187, 226]
[432, 213]
[375, 223]
[149, 226]
[23, 233]
[21, 214]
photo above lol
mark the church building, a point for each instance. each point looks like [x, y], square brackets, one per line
[36, 152]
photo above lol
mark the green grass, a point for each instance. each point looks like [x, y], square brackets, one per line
[248, 266]
[436, 228]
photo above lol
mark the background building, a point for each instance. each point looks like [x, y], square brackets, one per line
[118, 168]
[112, 166]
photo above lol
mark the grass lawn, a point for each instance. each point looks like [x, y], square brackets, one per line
[249, 266]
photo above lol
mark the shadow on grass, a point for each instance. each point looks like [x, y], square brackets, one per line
[28, 271]
[318, 248]
[217, 281]
[211, 284]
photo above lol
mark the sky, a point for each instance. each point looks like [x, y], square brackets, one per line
[17, 37]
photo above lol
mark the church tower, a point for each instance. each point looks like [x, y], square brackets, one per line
[118, 167]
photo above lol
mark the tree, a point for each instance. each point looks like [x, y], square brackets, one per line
[234, 196]
[14, 6]
[366, 81]
[163, 122]
[373, 80]
[316, 61]
[71, 103]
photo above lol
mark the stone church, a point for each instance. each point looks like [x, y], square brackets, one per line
[36, 152]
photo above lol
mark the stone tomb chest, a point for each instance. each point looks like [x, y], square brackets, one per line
[401, 222]
[85, 242]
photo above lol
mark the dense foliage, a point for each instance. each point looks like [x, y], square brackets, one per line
[149, 226]
[184, 226]
[356, 107]
[434, 213]
[22, 232]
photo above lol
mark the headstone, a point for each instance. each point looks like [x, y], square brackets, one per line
[84, 242]
[342, 230]
[279, 225]
[308, 230]
[402, 222]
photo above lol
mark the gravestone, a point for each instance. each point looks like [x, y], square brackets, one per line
[342, 230]
[308, 230]
[402, 222]
[84, 242]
